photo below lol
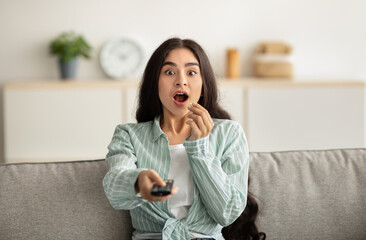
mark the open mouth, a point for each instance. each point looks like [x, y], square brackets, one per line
[180, 97]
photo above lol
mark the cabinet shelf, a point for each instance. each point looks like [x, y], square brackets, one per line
[74, 120]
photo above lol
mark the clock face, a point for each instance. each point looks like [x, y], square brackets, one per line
[121, 57]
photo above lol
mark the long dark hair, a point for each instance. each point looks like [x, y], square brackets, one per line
[244, 227]
[149, 107]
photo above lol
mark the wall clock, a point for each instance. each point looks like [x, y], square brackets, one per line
[121, 57]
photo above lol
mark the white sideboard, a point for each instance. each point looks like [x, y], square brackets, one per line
[75, 120]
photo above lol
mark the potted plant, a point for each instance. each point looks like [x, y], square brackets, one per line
[68, 46]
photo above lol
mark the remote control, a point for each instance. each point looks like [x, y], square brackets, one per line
[162, 191]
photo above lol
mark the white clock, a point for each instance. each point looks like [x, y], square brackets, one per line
[121, 57]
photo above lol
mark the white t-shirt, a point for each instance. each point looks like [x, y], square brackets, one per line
[180, 172]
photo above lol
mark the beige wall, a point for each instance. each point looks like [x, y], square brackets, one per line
[328, 36]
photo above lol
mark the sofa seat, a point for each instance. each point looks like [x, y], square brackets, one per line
[302, 195]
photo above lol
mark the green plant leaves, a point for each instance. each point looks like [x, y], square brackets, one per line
[68, 45]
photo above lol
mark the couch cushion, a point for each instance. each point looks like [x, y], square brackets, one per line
[311, 194]
[58, 201]
[302, 195]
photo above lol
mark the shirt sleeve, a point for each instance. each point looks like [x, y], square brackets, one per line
[119, 182]
[222, 181]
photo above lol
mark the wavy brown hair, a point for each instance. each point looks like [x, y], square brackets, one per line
[149, 107]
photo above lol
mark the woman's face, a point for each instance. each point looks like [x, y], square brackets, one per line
[180, 82]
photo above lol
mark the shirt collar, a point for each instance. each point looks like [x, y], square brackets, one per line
[157, 132]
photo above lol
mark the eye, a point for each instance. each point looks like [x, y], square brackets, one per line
[192, 73]
[169, 72]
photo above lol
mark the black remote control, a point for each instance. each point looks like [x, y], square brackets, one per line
[162, 191]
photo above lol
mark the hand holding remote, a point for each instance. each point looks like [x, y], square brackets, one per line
[144, 184]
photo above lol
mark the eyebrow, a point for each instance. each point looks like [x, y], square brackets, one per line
[186, 65]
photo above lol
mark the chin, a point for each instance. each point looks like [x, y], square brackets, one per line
[181, 114]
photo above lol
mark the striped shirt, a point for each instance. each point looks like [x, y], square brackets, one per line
[219, 165]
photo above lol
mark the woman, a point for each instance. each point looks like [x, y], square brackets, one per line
[184, 135]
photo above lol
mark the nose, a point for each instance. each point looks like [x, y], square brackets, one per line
[181, 80]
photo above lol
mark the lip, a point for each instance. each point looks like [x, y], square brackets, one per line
[180, 103]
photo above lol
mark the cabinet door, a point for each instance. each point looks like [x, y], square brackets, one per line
[60, 124]
[305, 118]
[131, 101]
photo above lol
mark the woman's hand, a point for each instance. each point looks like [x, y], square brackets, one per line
[144, 183]
[201, 123]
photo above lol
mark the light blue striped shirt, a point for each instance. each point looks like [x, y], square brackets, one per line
[219, 164]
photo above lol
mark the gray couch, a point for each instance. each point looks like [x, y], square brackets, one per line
[302, 195]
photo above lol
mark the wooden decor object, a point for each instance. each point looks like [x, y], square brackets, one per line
[233, 64]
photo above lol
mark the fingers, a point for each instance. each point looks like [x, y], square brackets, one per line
[201, 123]
[195, 131]
[155, 178]
[198, 109]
